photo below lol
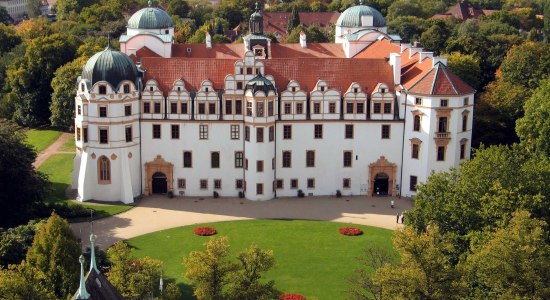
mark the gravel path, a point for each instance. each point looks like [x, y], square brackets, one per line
[52, 149]
[159, 212]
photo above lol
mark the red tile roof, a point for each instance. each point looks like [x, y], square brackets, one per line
[440, 81]
[319, 50]
[218, 51]
[146, 52]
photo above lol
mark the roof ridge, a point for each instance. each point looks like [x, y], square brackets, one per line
[450, 81]
[421, 78]
[436, 67]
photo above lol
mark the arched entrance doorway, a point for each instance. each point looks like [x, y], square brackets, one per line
[160, 184]
[381, 183]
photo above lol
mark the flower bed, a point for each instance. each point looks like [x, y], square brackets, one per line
[292, 297]
[205, 231]
[351, 231]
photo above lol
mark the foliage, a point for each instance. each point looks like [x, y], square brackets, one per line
[534, 128]
[546, 28]
[4, 16]
[314, 34]
[527, 64]
[178, 8]
[171, 292]
[8, 38]
[465, 66]
[361, 284]
[23, 282]
[513, 262]
[426, 270]
[434, 38]
[133, 278]
[63, 84]
[15, 242]
[409, 28]
[55, 252]
[26, 186]
[293, 21]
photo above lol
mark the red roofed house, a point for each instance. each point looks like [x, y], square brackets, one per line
[366, 115]
[464, 11]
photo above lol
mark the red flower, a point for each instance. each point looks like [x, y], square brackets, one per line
[292, 297]
[352, 231]
[205, 231]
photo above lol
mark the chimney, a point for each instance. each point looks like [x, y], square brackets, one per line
[417, 47]
[395, 62]
[424, 55]
[405, 47]
[303, 43]
[438, 59]
[208, 41]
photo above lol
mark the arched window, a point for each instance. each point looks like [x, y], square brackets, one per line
[126, 88]
[102, 90]
[464, 122]
[416, 123]
[104, 170]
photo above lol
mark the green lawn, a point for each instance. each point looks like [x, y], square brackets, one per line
[312, 257]
[59, 168]
[68, 146]
[40, 139]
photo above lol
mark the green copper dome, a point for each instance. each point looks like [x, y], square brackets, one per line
[260, 83]
[351, 17]
[111, 66]
[150, 18]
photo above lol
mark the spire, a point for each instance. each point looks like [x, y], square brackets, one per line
[93, 265]
[82, 293]
[109, 46]
[360, 2]
[257, 6]
[150, 3]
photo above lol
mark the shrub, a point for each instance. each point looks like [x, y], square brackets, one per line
[351, 231]
[292, 297]
[205, 231]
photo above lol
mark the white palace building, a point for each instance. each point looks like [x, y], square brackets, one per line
[366, 115]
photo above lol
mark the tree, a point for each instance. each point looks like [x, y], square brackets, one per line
[54, 252]
[527, 64]
[409, 28]
[15, 242]
[22, 282]
[466, 67]
[546, 28]
[134, 278]
[434, 38]
[534, 127]
[426, 270]
[8, 38]
[64, 86]
[4, 16]
[513, 262]
[178, 7]
[210, 270]
[293, 21]
[26, 186]
[252, 263]
[362, 285]
[171, 292]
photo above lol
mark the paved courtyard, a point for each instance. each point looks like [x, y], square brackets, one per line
[159, 212]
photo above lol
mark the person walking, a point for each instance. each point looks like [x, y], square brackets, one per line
[403, 218]
[392, 203]
[397, 221]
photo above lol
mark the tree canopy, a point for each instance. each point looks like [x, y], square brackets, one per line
[534, 127]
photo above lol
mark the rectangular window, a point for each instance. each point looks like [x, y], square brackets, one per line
[259, 188]
[212, 108]
[239, 85]
[279, 184]
[442, 124]
[181, 183]
[288, 108]
[259, 134]
[77, 134]
[157, 107]
[349, 107]
[273, 163]
[146, 107]
[187, 159]
[347, 159]
[418, 101]
[235, 132]
[318, 131]
[271, 133]
[387, 108]
[444, 103]
[127, 110]
[238, 184]
[412, 183]
[287, 159]
[184, 108]
[204, 184]
[128, 134]
[79, 109]
[270, 111]
[215, 160]
[311, 183]
[248, 70]
[175, 130]
[462, 151]
[299, 108]
[349, 131]
[103, 136]
[247, 133]
[85, 134]
[238, 159]
[332, 108]
[377, 108]
[293, 183]
[310, 158]
[415, 151]
[287, 132]
[360, 108]
[346, 183]
[217, 184]
[156, 131]
[385, 131]
[173, 107]
[466, 101]
[103, 111]
[464, 123]
[203, 132]
[238, 107]
[202, 108]
[259, 166]
[228, 107]
[246, 163]
[317, 108]
[440, 153]
[249, 109]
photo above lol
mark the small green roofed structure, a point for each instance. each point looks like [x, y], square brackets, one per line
[150, 18]
[352, 17]
[112, 66]
[260, 83]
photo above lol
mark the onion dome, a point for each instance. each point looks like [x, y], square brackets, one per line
[352, 17]
[150, 18]
[110, 65]
[260, 83]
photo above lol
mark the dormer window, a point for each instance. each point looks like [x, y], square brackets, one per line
[82, 88]
[166, 31]
[102, 90]
[151, 88]
[258, 52]
[322, 89]
[126, 88]
[444, 103]
[206, 89]
[355, 90]
[248, 70]
[294, 89]
[179, 88]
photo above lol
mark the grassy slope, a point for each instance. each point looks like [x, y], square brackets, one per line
[68, 146]
[40, 139]
[313, 259]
